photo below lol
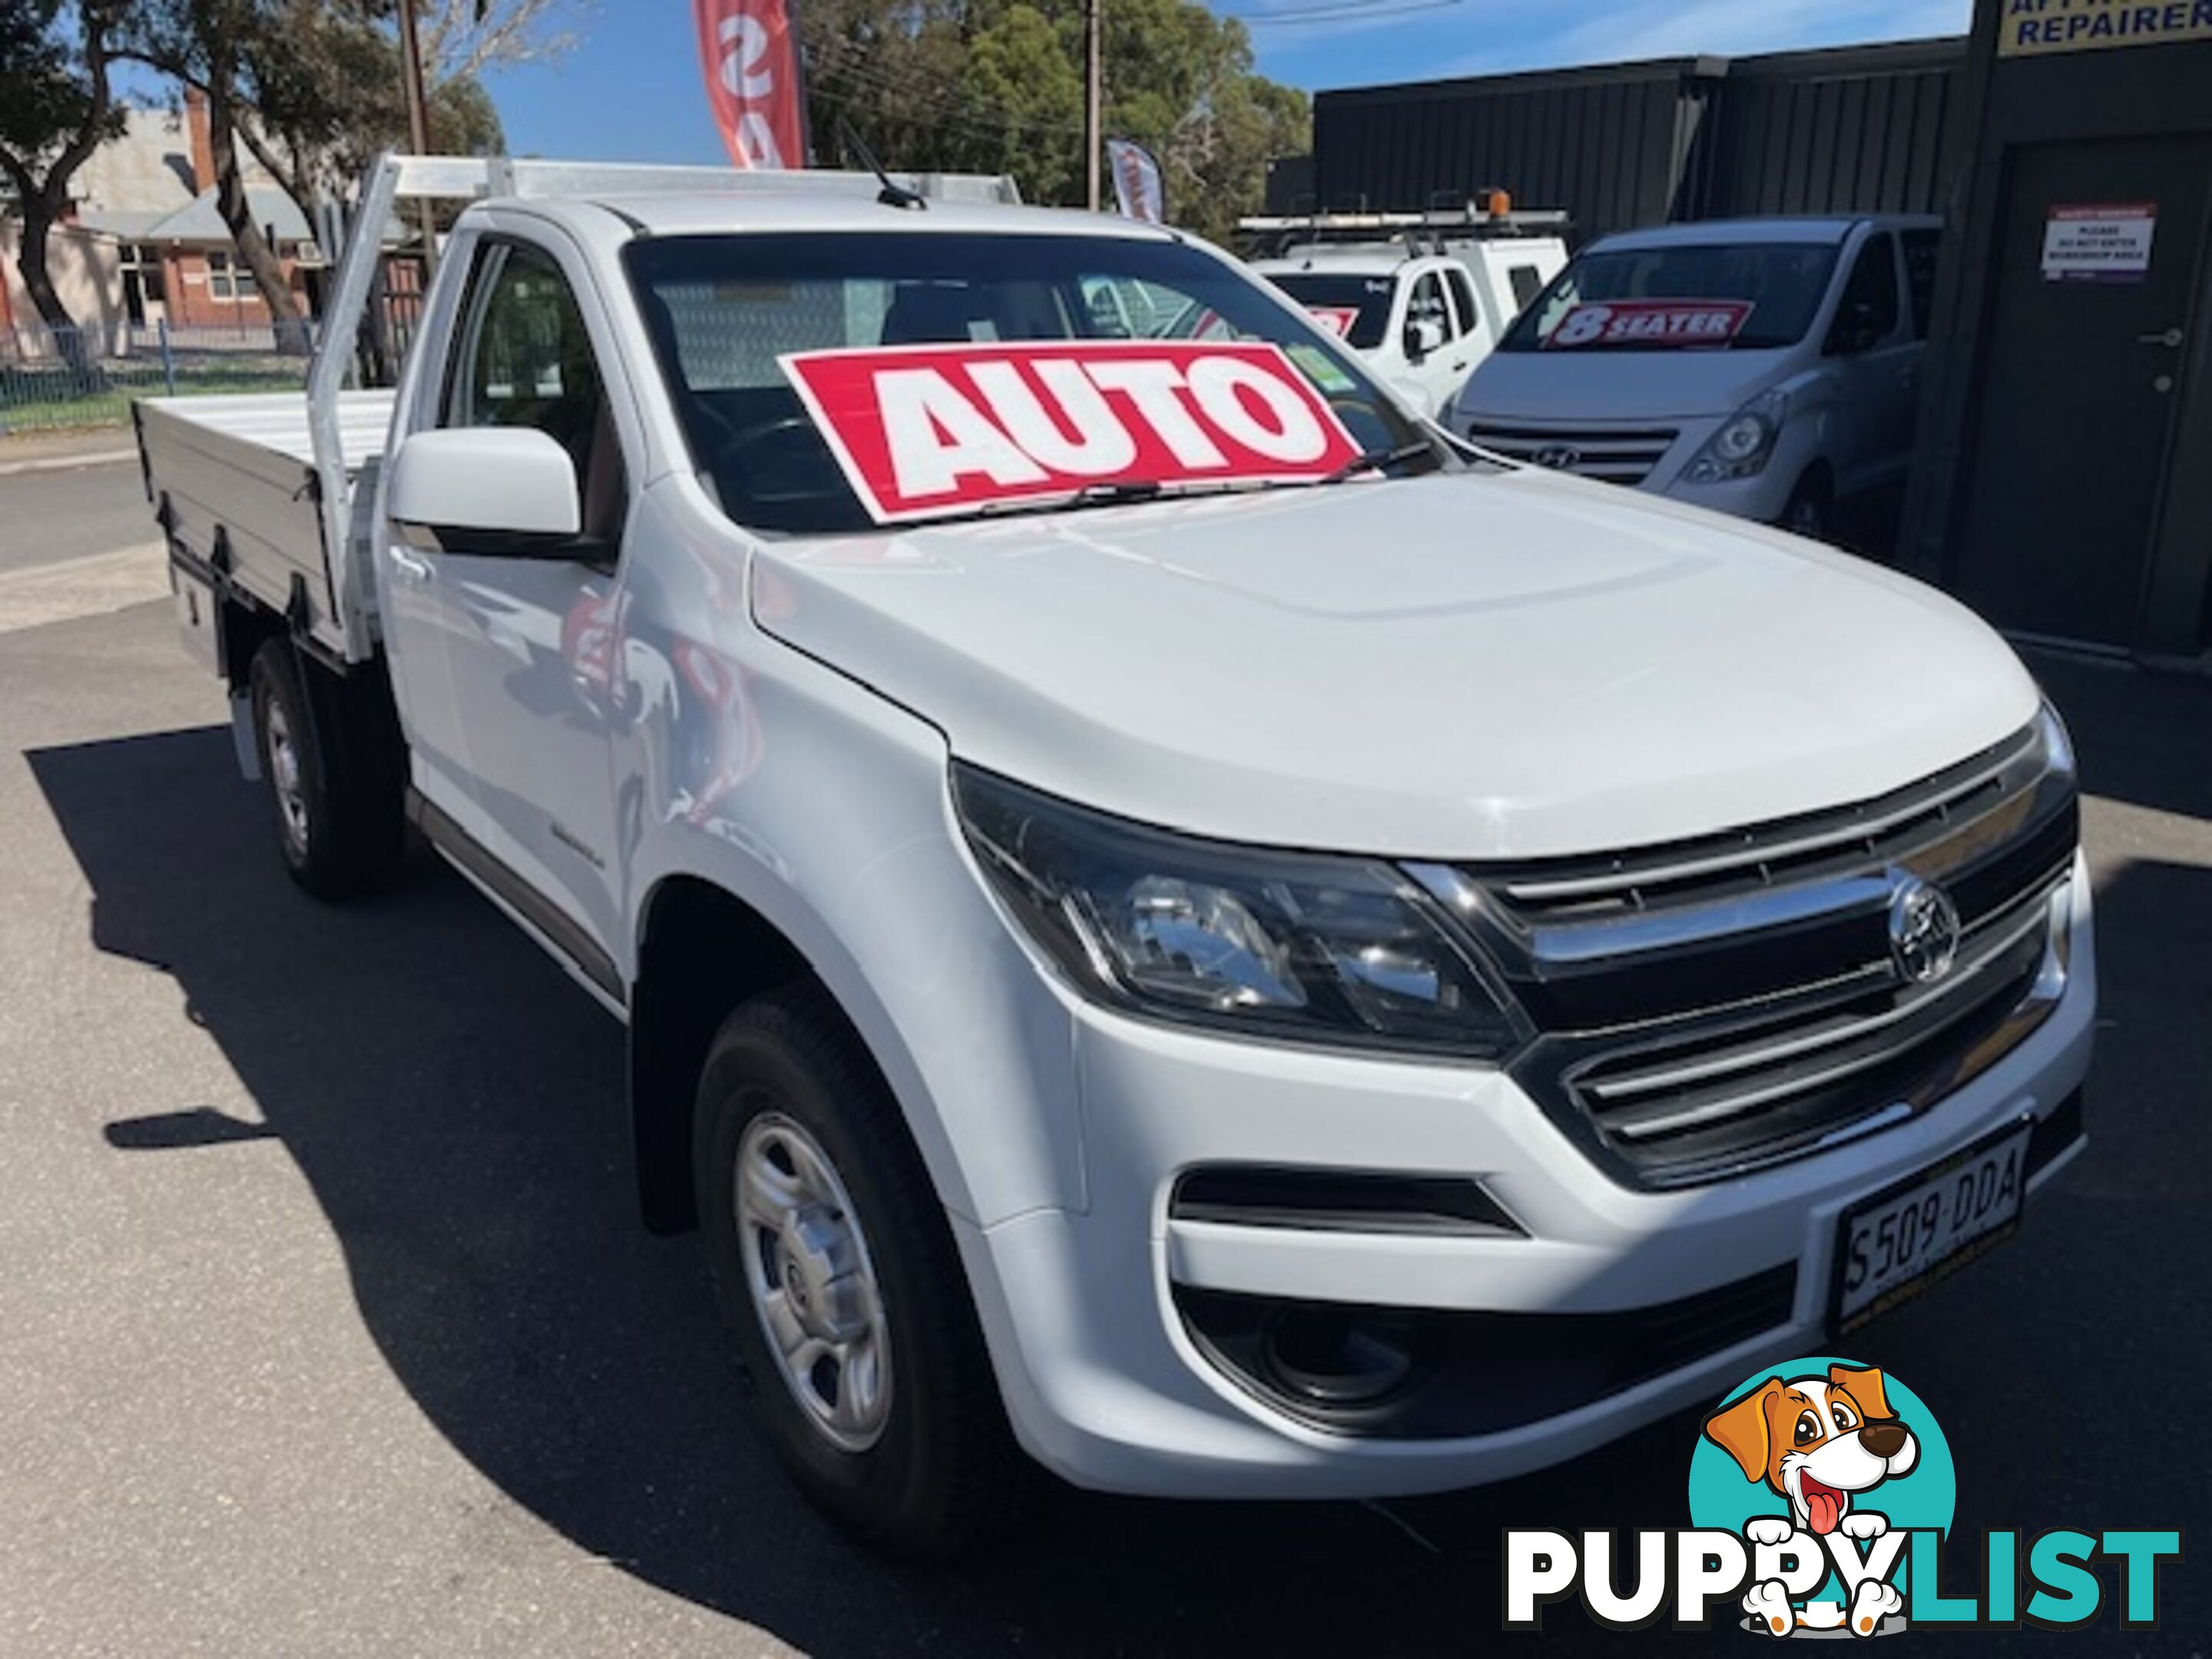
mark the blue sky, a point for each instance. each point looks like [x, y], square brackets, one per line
[632, 90]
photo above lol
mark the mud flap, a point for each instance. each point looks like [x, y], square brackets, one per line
[244, 738]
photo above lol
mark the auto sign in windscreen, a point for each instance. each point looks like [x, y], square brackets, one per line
[725, 312]
[1780, 282]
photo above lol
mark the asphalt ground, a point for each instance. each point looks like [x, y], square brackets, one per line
[325, 1326]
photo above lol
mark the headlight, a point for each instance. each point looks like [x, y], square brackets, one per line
[1745, 442]
[2058, 742]
[1337, 952]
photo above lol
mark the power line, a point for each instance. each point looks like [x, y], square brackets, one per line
[1338, 11]
[842, 60]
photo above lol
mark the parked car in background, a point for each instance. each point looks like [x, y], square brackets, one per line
[1769, 368]
[1423, 309]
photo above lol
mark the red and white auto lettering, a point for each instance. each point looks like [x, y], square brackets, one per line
[1651, 322]
[923, 431]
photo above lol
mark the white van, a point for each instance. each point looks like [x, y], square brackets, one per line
[1765, 368]
[1423, 310]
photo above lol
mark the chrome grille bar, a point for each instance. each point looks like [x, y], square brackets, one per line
[1724, 1003]
[1989, 944]
[1617, 456]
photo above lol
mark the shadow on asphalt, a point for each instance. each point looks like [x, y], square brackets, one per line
[456, 1105]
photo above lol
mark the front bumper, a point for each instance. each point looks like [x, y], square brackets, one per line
[1760, 498]
[1106, 1384]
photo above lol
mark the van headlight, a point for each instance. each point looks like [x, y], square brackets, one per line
[1745, 442]
[1340, 952]
[2057, 741]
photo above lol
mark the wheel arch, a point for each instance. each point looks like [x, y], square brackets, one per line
[702, 951]
[1818, 473]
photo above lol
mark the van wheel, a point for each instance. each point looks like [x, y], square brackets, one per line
[836, 1272]
[1811, 506]
[332, 776]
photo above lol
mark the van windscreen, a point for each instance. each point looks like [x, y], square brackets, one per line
[1678, 297]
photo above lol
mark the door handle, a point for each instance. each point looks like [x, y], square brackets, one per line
[417, 572]
[2171, 338]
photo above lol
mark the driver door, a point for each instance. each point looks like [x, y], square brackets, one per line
[1427, 377]
[534, 644]
[1875, 359]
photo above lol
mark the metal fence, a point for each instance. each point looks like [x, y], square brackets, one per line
[55, 380]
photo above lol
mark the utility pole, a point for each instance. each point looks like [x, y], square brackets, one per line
[1092, 101]
[418, 124]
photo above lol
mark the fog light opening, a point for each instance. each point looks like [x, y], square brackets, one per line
[1338, 1357]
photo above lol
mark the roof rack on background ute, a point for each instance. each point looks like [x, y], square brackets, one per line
[1487, 213]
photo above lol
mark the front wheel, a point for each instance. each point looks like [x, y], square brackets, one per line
[836, 1272]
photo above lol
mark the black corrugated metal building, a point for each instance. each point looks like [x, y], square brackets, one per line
[2062, 483]
[1867, 128]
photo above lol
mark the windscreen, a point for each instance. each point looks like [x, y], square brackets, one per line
[1356, 309]
[1750, 296]
[727, 312]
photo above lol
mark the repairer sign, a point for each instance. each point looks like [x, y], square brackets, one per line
[2028, 26]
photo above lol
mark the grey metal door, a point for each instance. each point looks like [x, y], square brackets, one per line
[2081, 387]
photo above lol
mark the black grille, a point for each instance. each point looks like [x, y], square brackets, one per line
[1714, 1004]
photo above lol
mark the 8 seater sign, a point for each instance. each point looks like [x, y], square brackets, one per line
[1651, 322]
[925, 431]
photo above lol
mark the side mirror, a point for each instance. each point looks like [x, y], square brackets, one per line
[1423, 336]
[1854, 329]
[490, 489]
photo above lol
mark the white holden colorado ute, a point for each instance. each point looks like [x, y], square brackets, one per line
[1172, 925]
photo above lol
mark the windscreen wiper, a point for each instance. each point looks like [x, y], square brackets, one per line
[1374, 460]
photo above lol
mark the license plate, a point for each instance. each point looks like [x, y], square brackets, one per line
[1894, 1245]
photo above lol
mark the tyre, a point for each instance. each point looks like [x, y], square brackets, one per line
[1811, 508]
[835, 1270]
[330, 757]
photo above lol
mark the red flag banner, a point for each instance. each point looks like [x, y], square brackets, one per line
[1139, 187]
[751, 54]
[922, 431]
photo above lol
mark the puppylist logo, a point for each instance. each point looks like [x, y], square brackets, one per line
[1821, 1498]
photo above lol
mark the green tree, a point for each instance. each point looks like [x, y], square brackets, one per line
[211, 44]
[324, 97]
[996, 86]
[55, 106]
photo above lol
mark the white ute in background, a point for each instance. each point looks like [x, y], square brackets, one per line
[1172, 925]
[1423, 297]
[1765, 368]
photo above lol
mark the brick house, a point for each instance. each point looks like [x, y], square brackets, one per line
[151, 192]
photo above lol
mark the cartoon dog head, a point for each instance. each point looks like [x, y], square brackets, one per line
[1817, 1440]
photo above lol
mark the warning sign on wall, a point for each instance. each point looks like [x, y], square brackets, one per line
[2098, 242]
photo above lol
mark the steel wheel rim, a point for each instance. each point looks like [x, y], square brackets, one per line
[284, 777]
[812, 1282]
